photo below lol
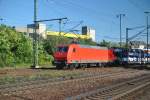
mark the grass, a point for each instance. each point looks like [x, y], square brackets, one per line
[7, 80]
[17, 66]
[26, 65]
[61, 73]
[42, 74]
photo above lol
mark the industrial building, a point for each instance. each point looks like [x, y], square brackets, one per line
[87, 32]
[29, 30]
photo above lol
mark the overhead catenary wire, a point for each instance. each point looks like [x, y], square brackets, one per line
[136, 35]
[64, 23]
[108, 37]
[70, 5]
[139, 33]
[136, 5]
[1, 19]
[77, 25]
[54, 7]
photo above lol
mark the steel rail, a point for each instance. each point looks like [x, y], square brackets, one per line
[116, 91]
[50, 82]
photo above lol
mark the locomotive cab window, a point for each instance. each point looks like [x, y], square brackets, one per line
[62, 49]
[74, 49]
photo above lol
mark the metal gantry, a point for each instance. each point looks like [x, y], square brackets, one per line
[120, 17]
[59, 19]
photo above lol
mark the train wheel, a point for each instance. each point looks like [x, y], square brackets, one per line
[72, 66]
[76, 66]
[65, 67]
[58, 66]
[99, 65]
[83, 66]
[103, 65]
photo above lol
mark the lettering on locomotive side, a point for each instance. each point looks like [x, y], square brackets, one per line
[134, 59]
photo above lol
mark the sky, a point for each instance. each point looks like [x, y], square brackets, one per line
[97, 14]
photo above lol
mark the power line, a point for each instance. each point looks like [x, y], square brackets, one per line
[73, 28]
[97, 14]
[108, 37]
[54, 8]
[136, 5]
[137, 27]
[1, 19]
[134, 36]
[59, 19]
[141, 32]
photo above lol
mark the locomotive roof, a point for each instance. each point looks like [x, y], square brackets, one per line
[89, 46]
[86, 46]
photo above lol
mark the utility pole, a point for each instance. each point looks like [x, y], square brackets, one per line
[147, 26]
[60, 21]
[120, 17]
[127, 48]
[35, 38]
[127, 38]
[1, 19]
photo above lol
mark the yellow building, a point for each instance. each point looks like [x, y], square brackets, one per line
[70, 35]
[87, 33]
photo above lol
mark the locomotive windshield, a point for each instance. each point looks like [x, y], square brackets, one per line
[62, 49]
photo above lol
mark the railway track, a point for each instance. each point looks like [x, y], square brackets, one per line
[42, 82]
[66, 86]
[115, 92]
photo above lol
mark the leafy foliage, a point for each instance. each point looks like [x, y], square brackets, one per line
[14, 47]
[110, 44]
[105, 43]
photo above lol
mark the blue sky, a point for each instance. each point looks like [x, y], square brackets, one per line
[98, 14]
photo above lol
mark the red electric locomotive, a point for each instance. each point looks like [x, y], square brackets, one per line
[76, 55]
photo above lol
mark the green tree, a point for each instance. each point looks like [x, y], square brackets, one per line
[15, 47]
[105, 43]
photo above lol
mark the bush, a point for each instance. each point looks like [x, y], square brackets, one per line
[15, 47]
